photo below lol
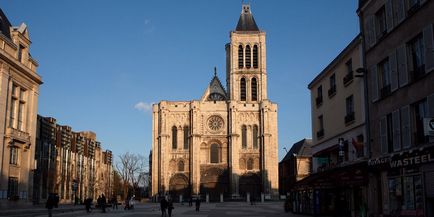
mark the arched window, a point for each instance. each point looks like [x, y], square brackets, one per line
[243, 89]
[181, 166]
[174, 138]
[244, 137]
[186, 137]
[255, 56]
[214, 153]
[250, 164]
[255, 136]
[254, 89]
[248, 57]
[240, 57]
[242, 163]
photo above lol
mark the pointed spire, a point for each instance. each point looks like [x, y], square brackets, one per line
[215, 71]
[246, 21]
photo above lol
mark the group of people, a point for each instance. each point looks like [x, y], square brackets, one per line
[166, 205]
[101, 202]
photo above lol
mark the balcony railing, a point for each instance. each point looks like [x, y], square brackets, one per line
[385, 91]
[349, 118]
[318, 100]
[320, 134]
[348, 78]
[332, 91]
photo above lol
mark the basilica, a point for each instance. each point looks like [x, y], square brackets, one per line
[225, 143]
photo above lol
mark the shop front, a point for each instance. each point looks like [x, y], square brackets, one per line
[338, 191]
[407, 182]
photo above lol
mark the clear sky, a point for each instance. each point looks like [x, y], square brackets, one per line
[103, 62]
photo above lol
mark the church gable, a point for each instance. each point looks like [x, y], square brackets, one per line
[215, 91]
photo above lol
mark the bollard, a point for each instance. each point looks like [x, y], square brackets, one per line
[221, 198]
[248, 197]
[262, 197]
[180, 199]
[207, 197]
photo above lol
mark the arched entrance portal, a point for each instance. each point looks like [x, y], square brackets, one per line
[178, 185]
[214, 181]
[250, 183]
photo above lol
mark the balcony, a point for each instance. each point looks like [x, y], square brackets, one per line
[320, 134]
[332, 91]
[349, 118]
[18, 135]
[348, 78]
[318, 101]
[385, 91]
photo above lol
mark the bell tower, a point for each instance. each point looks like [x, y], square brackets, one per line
[246, 75]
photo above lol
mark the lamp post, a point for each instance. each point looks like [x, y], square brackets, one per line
[363, 73]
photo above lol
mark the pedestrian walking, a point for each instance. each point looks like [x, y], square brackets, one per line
[170, 207]
[163, 207]
[103, 203]
[50, 204]
[88, 204]
[197, 204]
[190, 201]
[114, 202]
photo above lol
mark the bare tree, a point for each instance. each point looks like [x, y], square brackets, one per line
[130, 167]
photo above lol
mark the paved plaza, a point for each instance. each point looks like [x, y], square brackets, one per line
[207, 210]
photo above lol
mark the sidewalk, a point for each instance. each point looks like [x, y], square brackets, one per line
[39, 209]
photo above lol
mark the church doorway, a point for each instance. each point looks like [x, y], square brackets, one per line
[214, 181]
[250, 183]
[178, 185]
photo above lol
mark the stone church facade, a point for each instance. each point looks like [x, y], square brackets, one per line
[225, 142]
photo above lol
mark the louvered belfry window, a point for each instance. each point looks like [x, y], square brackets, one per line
[254, 90]
[255, 56]
[240, 57]
[243, 89]
[248, 57]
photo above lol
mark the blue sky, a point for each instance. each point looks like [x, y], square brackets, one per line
[103, 62]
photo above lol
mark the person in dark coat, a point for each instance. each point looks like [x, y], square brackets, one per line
[103, 202]
[170, 207]
[197, 204]
[190, 201]
[50, 204]
[163, 207]
[114, 202]
[88, 204]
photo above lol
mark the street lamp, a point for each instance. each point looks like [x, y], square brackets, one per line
[363, 73]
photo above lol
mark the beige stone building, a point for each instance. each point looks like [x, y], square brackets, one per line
[225, 143]
[19, 89]
[338, 183]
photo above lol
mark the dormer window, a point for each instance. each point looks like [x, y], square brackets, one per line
[20, 53]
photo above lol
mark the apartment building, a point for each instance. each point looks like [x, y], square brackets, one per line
[70, 164]
[338, 184]
[19, 90]
[399, 59]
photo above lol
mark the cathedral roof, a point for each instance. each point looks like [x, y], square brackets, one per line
[215, 90]
[246, 21]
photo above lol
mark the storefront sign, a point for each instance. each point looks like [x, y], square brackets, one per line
[428, 125]
[409, 158]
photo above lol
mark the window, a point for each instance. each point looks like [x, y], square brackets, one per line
[250, 164]
[420, 112]
[255, 56]
[386, 134]
[186, 129]
[181, 166]
[349, 76]
[13, 158]
[384, 78]
[244, 137]
[320, 132]
[248, 57]
[174, 138]
[319, 96]
[20, 52]
[16, 114]
[406, 193]
[417, 61]
[381, 26]
[255, 136]
[254, 90]
[214, 153]
[332, 89]
[12, 187]
[350, 109]
[413, 6]
[243, 89]
[240, 57]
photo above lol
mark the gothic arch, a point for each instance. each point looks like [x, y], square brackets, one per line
[243, 91]
[242, 164]
[181, 166]
[249, 183]
[178, 185]
[254, 89]
[240, 56]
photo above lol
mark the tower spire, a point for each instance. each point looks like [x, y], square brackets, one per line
[215, 71]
